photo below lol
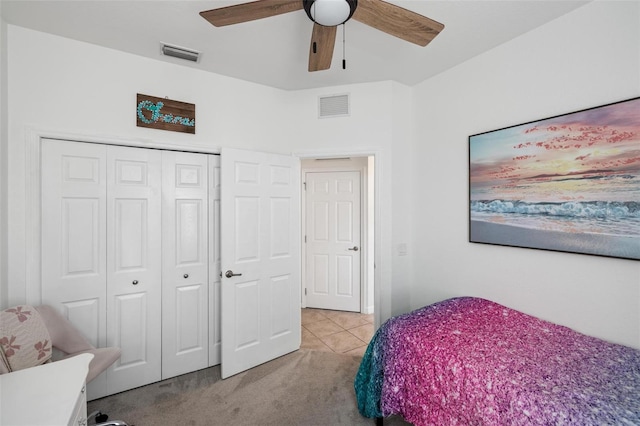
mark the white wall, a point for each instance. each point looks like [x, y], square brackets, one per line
[73, 87]
[417, 135]
[3, 160]
[67, 86]
[584, 59]
[380, 125]
[403, 190]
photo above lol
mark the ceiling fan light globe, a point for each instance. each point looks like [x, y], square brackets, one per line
[330, 12]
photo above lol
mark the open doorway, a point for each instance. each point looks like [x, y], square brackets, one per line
[337, 253]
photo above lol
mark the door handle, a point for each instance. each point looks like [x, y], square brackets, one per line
[354, 248]
[230, 274]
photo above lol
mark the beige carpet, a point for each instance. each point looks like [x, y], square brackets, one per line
[303, 388]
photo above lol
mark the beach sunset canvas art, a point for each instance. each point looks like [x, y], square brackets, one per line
[566, 183]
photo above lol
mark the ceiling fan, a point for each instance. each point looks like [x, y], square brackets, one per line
[327, 15]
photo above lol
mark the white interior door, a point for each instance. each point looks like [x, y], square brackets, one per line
[74, 274]
[333, 242]
[100, 221]
[73, 233]
[134, 265]
[185, 298]
[260, 238]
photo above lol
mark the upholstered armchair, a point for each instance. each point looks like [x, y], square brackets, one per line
[28, 334]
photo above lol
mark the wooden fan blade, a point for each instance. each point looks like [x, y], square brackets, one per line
[250, 11]
[323, 40]
[397, 21]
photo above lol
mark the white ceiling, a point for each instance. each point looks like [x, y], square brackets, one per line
[274, 51]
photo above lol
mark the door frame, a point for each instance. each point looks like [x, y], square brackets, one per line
[381, 282]
[343, 164]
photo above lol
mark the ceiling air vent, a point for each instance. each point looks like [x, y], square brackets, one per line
[180, 52]
[333, 106]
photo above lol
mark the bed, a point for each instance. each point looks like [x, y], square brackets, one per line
[470, 361]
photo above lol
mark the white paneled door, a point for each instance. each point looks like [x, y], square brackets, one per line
[100, 224]
[260, 239]
[185, 298]
[133, 265]
[74, 199]
[333, 251]
[132, 253]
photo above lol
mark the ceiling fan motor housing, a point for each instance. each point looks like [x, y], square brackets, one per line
[330, 13]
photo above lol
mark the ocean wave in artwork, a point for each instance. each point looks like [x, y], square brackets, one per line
[605, 217]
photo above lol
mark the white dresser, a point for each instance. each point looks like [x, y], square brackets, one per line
[48, 395]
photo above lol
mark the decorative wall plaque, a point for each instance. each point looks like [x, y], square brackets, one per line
[165, 114]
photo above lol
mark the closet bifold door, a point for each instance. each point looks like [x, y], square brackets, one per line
[101, 258]
[134, 280]
[185, 263]
[73, 232]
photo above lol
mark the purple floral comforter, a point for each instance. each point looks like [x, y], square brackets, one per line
[469, 361]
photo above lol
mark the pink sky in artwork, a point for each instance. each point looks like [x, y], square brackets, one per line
[575, 156]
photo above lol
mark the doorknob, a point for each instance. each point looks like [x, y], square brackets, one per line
[230, 274]
[354, 248]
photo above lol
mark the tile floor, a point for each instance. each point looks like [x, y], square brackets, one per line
[336, 331]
